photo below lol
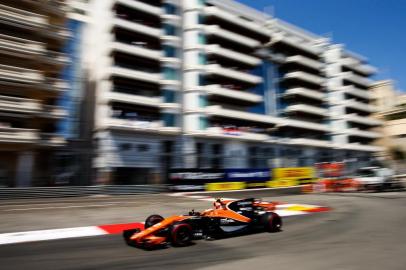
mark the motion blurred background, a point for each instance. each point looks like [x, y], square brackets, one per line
[126, 92]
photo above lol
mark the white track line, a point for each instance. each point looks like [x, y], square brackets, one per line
[43, 235]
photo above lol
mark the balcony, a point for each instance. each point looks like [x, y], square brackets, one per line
[311, 142]
[21, 46]
[140, 126]
[233, 74]
[304, 61]
[20, 105]
[56, 85]
[362, 147]
[304, 92]
[235, 56]
[51, 140]
[291, 123]
[137, 27]
[307, 109]
[218, 132]
[18, 135]
[303, 76]
[362, 120]
[234, 114]
[292, 42]
[217, 31]
[237, 21]
[137, 50]
[216, 89]
[57, 32]
[352, 90]
[352, 103]
[352, 77]
[54, 112]
[362, 133]
[134, 99]
[141, 6]
[20, 75]
[22, 18]
[353, 64]
[134, 74]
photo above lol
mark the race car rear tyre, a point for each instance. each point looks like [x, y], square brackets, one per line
[152, 220]
[181, 234]
[272, 222]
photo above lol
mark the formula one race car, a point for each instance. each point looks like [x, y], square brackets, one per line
[227, 218]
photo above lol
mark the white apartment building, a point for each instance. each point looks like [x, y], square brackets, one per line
[31, 62]
[216, 84]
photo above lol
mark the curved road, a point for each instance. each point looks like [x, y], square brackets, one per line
[364, 231]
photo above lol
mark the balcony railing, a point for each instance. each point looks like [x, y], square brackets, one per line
[136, 50]
[137, 27]
[234, 74]
[352, 103]
[18, 135]
[20, 75]
[16, 104]
[52, 140]
[350, 76]
[23, 46]
[305, 61]
[51, 111]
[308, 93]
[219, 132]
[135, 99]
[231, 18]
[307, 109]
[217, 31]
[234, 114]
[359, 67]
[134, 74]
[22, 17]
[301, 75]
[362, 133]
[141, 6]
[356, 92]
[235, 56]
[140, 126]
[216, 89]
[362, 119]
[290, 41]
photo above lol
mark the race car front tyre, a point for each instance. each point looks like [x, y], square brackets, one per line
[272, 222]
[127, 235]
[152, 220]
[181, 234]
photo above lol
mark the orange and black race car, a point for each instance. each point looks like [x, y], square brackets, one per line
[226, 218]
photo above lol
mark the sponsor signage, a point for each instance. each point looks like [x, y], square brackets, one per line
[248, 175]
[194, 179]
[288, 177]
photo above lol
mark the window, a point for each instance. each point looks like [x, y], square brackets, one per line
[169, 119]
[202, 80]
[169, 51]
[170, 74]
[170, 9]
[201, 2]
[200, 19]
[202, 101]
[125, 146]
[201, 38]
[143, 147]
[202, 122]
[202, 59]
[169, 96]
[170, 30]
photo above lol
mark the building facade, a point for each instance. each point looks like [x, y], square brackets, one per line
[32, 39]
[216, 84]
[392, 111]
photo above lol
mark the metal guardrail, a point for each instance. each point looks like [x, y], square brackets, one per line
[57, 192]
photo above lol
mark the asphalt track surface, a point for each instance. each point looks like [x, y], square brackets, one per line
[364, 231]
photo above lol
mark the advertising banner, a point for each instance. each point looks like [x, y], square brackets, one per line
[194, 179]
[288, 177]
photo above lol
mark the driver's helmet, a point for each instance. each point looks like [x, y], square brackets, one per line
[218, 203]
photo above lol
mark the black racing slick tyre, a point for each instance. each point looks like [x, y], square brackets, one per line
[272, 222]
[127, 235]
[152, 220]
[181, 234]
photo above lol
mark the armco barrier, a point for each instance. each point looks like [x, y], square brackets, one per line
[57, 192]
[261, 192]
